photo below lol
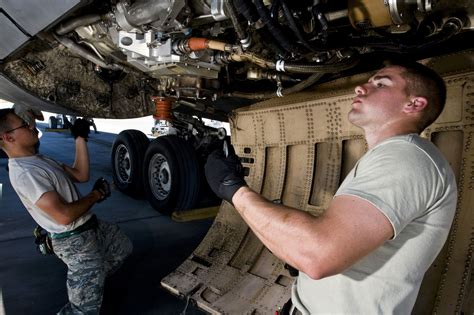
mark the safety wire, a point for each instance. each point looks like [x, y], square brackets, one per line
[188, 298]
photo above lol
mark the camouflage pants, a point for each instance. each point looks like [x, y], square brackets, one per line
[90, 257]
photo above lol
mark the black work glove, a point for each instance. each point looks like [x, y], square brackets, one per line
[80, 129]
[103, 187]
[225, 175]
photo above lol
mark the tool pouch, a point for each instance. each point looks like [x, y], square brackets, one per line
[43, 241]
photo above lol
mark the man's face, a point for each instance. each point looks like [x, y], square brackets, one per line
[22, 134]
[380, 101]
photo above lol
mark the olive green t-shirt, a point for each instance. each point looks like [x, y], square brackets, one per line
[413, 185]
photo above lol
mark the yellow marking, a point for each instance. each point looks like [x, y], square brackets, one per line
[195, 214]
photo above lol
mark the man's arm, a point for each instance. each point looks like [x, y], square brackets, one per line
[79, 171]
[321, 246]
[63, 212]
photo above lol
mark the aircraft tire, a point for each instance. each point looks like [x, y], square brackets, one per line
[128, 152]
[188, 172]
[160, 181]
[171, 174]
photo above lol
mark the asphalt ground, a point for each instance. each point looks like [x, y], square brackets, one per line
[31, 283]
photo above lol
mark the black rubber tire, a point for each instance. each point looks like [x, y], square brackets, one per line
[53, 122]
[176, 185]
[162, 187]
[128, 153]
[188, 172]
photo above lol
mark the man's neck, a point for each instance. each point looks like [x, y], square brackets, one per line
[374, 137]
[21, 153]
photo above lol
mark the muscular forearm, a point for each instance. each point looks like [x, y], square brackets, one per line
[77, 208]
[288, 233]
[64, 212]
[321, 246]
[80, 169]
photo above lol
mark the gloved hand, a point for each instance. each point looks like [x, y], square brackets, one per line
[225, 175]
[103, 187]
[80, 129]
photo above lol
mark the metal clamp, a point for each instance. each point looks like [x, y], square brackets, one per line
[280, 65]
[279, 91]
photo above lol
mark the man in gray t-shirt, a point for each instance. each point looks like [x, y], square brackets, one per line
[389, 219]
[92, 249]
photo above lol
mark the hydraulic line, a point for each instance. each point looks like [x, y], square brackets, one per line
[293, 26]
[450, 28]
[71, 25]
[295, 88]
[195, 44]
[276, 4]
[273, 27]
[83, 52]
[323, 23]
[239, 30]
[336, 67]
[247, 9]
[297, 67]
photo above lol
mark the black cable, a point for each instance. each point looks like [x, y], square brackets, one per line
[324, 68]
[294, 27]
[276, 4]
[247, 9]
[295, 88]
[323, 23]
[239, 30]
[273, 27]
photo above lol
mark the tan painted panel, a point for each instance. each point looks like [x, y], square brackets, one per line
[298, 149]
[295, 192]
[326, 173]
[273, 163]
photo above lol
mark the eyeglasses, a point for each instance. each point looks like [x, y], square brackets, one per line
[23, 125]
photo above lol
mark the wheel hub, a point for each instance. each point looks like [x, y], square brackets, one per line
[123, 165]
[159, 176]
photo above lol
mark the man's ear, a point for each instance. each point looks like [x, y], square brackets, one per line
[416, 104]
[6, 138]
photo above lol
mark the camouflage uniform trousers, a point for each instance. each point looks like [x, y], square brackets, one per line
[90, 257]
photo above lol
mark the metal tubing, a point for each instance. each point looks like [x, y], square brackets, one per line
[83, 52]
[71, 25]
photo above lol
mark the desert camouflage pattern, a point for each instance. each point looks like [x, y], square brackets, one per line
[90, 257]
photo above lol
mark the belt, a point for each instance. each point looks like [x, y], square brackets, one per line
[90, 224]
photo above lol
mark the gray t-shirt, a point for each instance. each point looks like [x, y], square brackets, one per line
[35, 175]
[412, 184]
